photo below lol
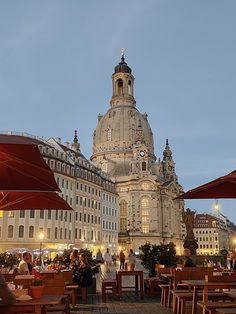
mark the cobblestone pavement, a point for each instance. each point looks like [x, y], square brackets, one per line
[128, 304]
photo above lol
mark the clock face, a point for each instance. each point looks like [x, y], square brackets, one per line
[142, 153]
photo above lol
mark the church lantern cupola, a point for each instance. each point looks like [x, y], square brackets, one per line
[123, 84]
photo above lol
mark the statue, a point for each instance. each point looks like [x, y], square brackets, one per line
[188, 219]
[190, 242]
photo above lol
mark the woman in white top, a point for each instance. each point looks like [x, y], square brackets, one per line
[131, 259]
[107, 259]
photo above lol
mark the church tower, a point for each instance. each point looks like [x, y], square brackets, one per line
[123, 148]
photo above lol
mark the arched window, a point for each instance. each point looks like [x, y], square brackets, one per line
[119, 87]
[10, 231]
[132, 133]
[31, 231]
[123, 208]
[21, 231]
[129, 88]
[144, 166]
[145, 214]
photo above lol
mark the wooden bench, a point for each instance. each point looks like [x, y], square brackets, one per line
[226, 311]
[180, 293]
[210, 307]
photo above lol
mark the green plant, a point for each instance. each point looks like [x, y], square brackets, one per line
[164, 254]
[8, 260]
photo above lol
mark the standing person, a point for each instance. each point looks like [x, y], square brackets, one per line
[23, 266]
[122, 260]
[99, 258]
[188, 261]
[107, 259]
[131, 259]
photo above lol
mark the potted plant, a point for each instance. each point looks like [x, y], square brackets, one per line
[37, 286]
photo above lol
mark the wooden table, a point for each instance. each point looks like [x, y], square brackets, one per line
[205, 286]
[38, 306]
[138, 281]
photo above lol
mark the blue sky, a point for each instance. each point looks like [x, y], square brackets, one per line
[57, 58]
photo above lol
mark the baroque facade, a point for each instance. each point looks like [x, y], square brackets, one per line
[123, 148]
[86, 189]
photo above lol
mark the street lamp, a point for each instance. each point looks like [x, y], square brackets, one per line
[41, 237]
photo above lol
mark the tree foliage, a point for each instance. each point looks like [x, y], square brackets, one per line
[164, 254]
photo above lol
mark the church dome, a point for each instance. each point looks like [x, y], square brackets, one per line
[123, 67]
[116, 131]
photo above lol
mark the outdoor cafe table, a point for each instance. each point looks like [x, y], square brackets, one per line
[138, 281]
[205, 286]
[38, 306]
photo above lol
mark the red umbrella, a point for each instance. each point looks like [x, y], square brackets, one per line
[22, 167]
[223, 187]
[32, 200]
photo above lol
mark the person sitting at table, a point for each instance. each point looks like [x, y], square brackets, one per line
[83, 274]
[30, 263]
[188, 261]
[23, 266]
[6, 297]
[232, 260]
[74, 264]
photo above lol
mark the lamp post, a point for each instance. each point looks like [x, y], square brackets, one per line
[41, 237]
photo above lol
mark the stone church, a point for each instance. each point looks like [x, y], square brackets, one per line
[123, 147]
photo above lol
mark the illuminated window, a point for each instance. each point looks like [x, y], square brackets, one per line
[145, 215]
[123, 209]
[123, 224]
[1, 213]
[11, 214]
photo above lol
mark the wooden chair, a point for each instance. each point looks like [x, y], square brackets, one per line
[53, 286]
[109, 287]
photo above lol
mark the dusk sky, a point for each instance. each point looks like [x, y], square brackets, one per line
[57, 58]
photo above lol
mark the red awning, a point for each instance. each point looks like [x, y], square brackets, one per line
[32, 200]
[22, 167]
[223, 187]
